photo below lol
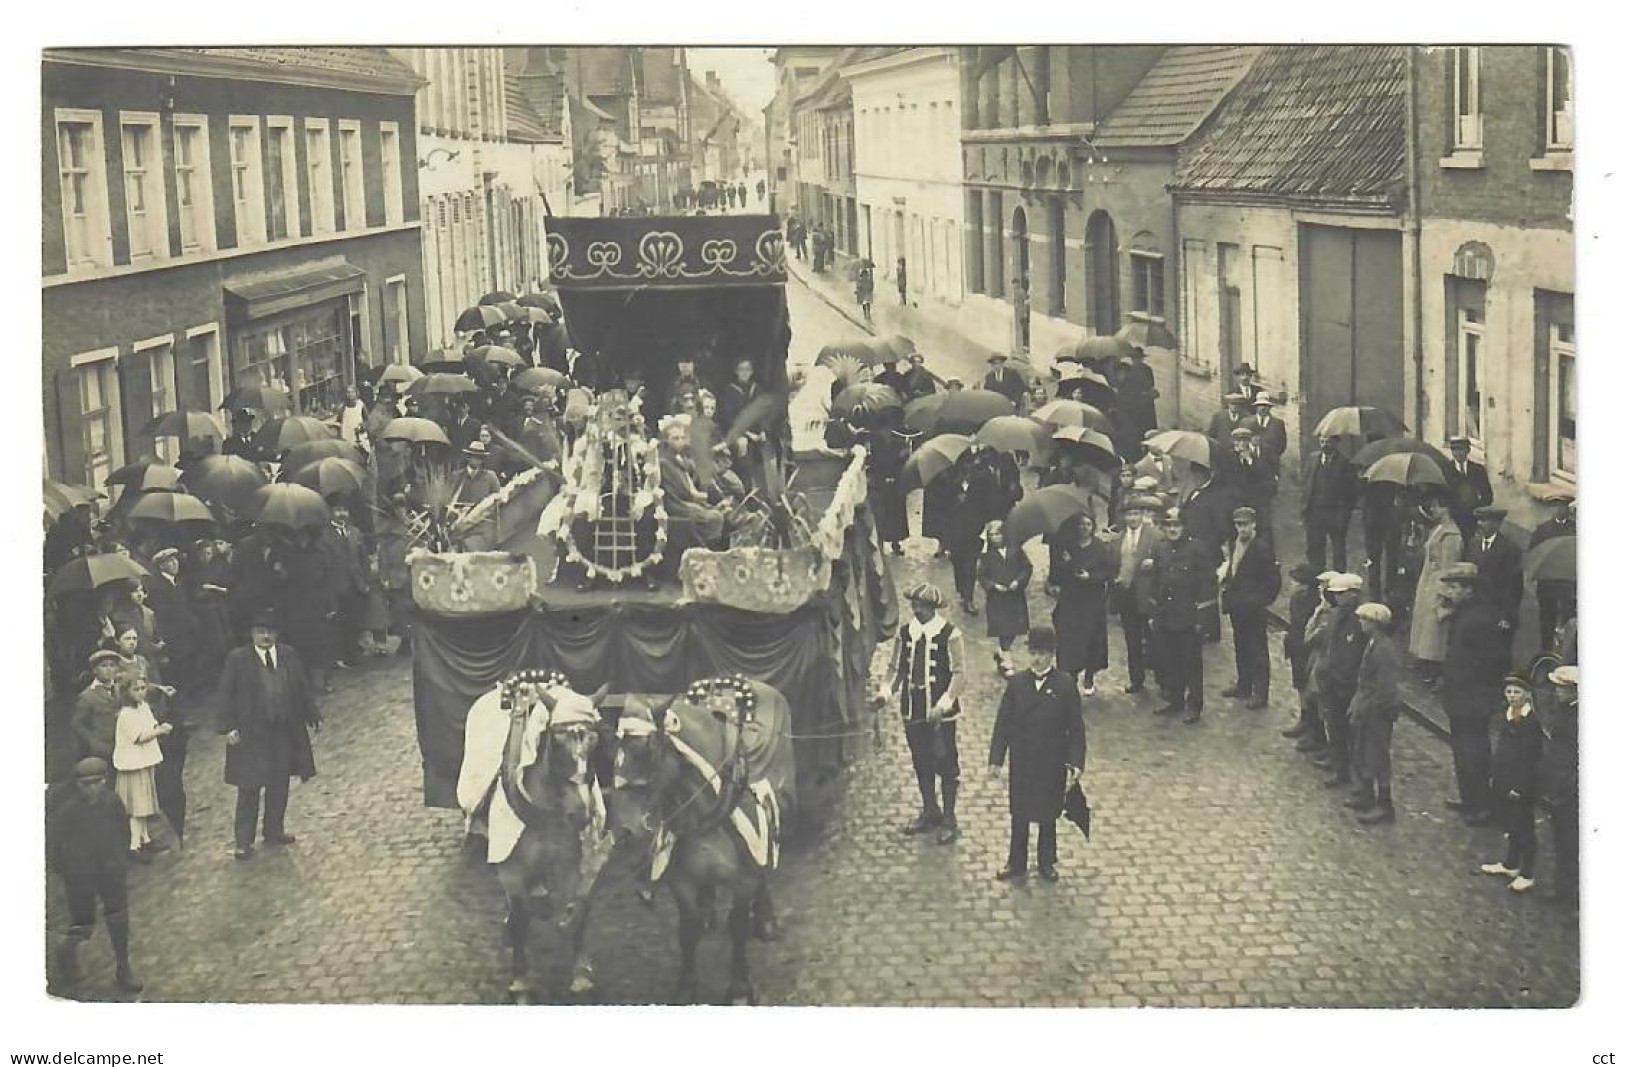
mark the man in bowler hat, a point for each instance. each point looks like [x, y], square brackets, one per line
[265, 706]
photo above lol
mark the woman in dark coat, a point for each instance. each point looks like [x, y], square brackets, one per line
[308, 605]
[979, 498]
[1083, 570]
[938, 508]
[888, 449]
[1040, 727]
[1004, 574]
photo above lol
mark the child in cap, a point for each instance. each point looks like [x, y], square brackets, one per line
[1514, 774]
[1306, 597]
[1372, 715]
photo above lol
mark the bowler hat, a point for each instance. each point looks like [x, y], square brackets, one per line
[1041, 638]
[1245, 368]
[265, 619]
[90, 767]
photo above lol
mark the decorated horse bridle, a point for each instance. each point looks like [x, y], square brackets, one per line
[513, 786]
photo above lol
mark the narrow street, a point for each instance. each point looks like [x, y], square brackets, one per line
[1220, 873]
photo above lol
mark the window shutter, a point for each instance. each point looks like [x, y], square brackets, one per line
[70, 438]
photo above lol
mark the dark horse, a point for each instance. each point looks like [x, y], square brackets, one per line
[705, 782]
[564, 839]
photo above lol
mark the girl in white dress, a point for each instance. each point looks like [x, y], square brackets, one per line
[135, 754]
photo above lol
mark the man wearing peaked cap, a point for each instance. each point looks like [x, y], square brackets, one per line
[927, 668]
[87, 845]
[1181, 584]
[1500, 566]
[1267, 429]
[1476, 658]
[1249, 581]
[1227, 418]
[1337, 673]
[1372, 715]
[95, 710]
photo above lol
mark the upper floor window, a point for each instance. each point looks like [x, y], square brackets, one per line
[1559, 100]
[351, 179]
[194, 191]
[87, 236]
[144, 188]
[1469, 110]
[282, 178]
[1147, 283]
[247, 181]
[389, 149]
[319, 175]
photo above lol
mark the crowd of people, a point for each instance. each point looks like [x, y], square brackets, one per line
[1171, 545]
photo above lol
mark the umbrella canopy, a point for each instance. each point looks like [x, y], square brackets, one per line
[1188, 445]
[304, 455]
[146, 474]
[1073, 413]
[1142, 334]
[332, 475]
[442, 384]
[451, 360]
[1552, 560]
[1391, 446]
[482, 317]
[548, 302]
[920, 413]
[932, 458]
[502, 354]
[859, 351]
[171, 507]
[270, 400]
[965, 411]
[1092, 350]
[1043, 511]
[279, 435]
[497, 296]
[416, 430]
[1077, 372]
[93, 572]
[521, 313]
[400, 373]
[863, 397]
[1362, 422]
[1405, 468]
[61, 496]
[1091, 446]
[894, 347]
[535, 379]
[228, 480]
[1015, 433]
[185, 424]
[284, 504]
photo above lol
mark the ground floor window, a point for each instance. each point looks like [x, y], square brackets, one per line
[1470, 406]
[100, 437]
[1564, 402]
[306, 354]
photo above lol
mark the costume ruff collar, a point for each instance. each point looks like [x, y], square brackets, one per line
[928, 630]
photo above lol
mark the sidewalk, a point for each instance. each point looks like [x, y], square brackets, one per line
[948, 352]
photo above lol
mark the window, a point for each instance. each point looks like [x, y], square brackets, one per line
[194, 189]
[144, 188]
[1193, 269]
[1147, 282]
[1469, 114]
[1470, 407]
[282, 178]
[204, 387]
[159, 356]
[101, 436]
[395, 319]
[389, 145]
[351, 180]
[87, 238]
[319, 175]
[1565, 406]
[247, 181]
[1559, 100]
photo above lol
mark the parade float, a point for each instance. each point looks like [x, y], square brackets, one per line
[605, 585]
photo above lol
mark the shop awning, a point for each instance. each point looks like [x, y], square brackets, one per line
[288, 290]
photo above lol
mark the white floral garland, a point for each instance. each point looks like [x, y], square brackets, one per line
[851, 491]
[582, 481]
[495, 500]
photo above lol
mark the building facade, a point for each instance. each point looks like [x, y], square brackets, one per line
[910, 187]
[214, 218]
[1495, 185]
[796, 69]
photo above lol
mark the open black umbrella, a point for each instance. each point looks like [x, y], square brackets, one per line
[548, 302]
[93, 572]
[270, 400]
[146, 474]
[228, 480]
[497, 296]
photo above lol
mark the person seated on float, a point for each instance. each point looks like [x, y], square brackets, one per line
[686, 502]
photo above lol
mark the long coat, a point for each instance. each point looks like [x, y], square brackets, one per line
[1136, 402]
[1476, 658]
[1375, 708]
[887, 502]
[1081, 608]
[1040, 727]
[1429, 628]
[1006, 608]
[1500, 573]
[271, 749]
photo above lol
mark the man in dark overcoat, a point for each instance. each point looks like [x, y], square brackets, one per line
[1500, 567]
[1182, 584]
[1269, 431]
[265, 706]
[1328, 505]
[917, 381]
[1004, 381]
[1040, 727]
[346, 550]
[1248, 585]
[1476, 658]
[1233, 414]
[1137, 394]
[1467, 485]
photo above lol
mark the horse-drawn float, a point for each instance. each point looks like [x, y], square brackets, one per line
[725, 641]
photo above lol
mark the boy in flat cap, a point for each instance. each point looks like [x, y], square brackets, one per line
[1372, 715]
[95, 711]
[1500, 566]
[1337, 675]
[1514, 780]
[928, 662]
[87, 845]
[1476, 658]
[1040, 728]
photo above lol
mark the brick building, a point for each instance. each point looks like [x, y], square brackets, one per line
[214, 217]
[1495, 186]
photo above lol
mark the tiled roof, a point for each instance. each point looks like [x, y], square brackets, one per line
[662, 75]
[1316, 124]
[535, 93]
[523, 122]
[350, 61]
[603, 71]
[1176, 96]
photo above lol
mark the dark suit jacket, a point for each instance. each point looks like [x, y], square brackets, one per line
[1220, 425]
[1467, 491]
[1040, 727]
[1206, 512]
[1271, 439]
[172, 606]
[347, 558]
[1476, 657]
[1007, 384]
[1182, 580]
[1500, 573]
[274, 743]
[1139, 587]
[1329, 488]
[1257, 580]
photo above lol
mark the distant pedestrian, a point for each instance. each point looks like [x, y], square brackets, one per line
[87, 845]
[136, 755]
[1004, 381]
[265, 707]
[902, 281]
[1004, 574]
[1040, 729]
[1372, 715]
[864, 291]
[1514, 779]
[928, 664]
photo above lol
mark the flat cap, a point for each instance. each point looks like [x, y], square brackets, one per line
[1490, 512]
[164, 553]
[1459, 572]
[997, 357]
[1518, 680]
[102, 655]
[1242, 433]
[1346, 583]
[1325, 577]
[1377, 613]
[1568, 674]
[1245, 512]
[90, 767]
